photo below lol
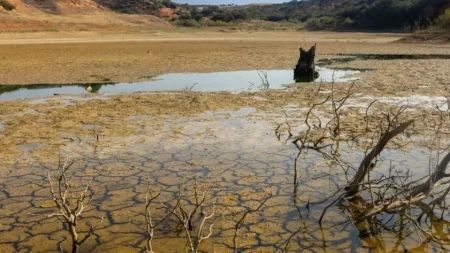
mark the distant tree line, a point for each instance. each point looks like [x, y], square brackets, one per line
[330, 14]
[395, 15]
[215, 15]
[358, 14]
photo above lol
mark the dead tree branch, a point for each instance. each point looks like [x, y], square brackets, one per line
[365, 165]
[148, 219]
[185, 216]
[70, 213]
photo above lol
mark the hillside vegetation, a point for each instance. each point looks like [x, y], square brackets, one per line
[350, 15]
[152, 7]
[405, 15]
[359, 14]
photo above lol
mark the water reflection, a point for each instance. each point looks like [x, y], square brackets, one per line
[12, 92]
[218, 81]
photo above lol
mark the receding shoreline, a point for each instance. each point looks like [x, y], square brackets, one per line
[93, 57]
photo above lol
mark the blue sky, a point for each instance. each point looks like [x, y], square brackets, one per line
[217, 2]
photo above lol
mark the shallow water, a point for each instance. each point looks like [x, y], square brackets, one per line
[218, 81]
[237, 152]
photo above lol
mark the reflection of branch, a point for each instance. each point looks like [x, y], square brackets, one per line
[288, 242]
[289, 129]
[189, 88]
[428, 234]
[264, 80]
[96, 134]
[191, 94]
[288, 125]
[241, 221]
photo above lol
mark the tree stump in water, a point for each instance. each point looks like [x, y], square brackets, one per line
[305, 70]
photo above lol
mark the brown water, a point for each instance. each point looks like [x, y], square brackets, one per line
[237, 152]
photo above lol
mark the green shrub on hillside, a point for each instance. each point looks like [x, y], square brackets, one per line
[443, 21]
[321, 23]
[187, 23]
[389, 15]
[169, 4]
[213, 23]
[348, 21]
[7, 5]
[275, 18]
[224, 16]
[201, 23]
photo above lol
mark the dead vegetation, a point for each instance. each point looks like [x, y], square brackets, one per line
[371, 200]
[397, 200]
[69, 206]
[188, 211]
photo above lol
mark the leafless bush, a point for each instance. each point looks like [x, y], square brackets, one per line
[68, 207]
[148, 218]
[184, 214]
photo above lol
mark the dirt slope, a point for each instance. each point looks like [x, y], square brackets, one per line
[55, 6]
[71, 15]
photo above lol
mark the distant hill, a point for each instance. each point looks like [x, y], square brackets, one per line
[82, 15]
[70, 6]
[357, 14]
[363, 15]
[51, 6]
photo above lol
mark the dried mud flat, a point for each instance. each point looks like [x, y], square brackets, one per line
[92, 57]
[129, 142]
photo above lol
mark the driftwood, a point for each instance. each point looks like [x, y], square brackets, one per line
[305, 70]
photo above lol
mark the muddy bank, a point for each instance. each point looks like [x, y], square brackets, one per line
[61, 114]
[396, 78]
[434, 37]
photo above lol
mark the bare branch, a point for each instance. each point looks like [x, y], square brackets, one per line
[68, 212]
